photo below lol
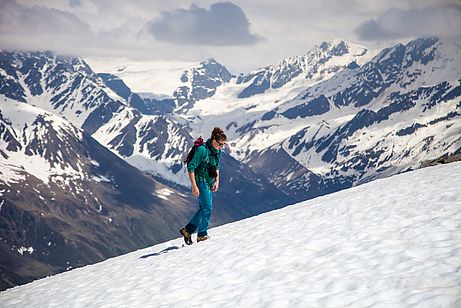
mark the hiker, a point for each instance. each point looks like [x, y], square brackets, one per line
[203, 165]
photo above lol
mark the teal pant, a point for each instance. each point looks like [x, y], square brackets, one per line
[201, 219]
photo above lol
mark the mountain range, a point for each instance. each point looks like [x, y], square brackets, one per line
[374, 116]
[100, 168]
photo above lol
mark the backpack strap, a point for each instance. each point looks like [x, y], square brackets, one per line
[212, 153]
[211, 150]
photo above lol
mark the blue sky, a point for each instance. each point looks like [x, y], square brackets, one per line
[241, 34]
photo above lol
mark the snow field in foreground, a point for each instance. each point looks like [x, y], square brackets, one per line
[394, 242]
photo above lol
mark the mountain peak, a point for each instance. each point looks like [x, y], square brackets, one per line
[210, 61]
[39, 58]
[339, 47]
[201, 82]
[319, 63]
[332, 44]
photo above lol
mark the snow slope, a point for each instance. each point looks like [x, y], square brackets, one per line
[159, 78]
[394, 242]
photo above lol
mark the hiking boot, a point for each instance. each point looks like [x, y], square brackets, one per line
[187, 236]
[202, 238]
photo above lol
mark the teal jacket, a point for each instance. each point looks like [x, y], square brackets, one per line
[205, 156]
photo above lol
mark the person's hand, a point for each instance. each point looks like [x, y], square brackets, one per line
[215, 186]
[195, 191]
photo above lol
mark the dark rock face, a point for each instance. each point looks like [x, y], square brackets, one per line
[260, 84]
[286, 174]
[316, 106]
[243, 193]
[144, 106]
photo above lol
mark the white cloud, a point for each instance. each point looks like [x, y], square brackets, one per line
[133, 29]
[224, 23]
[395, 23]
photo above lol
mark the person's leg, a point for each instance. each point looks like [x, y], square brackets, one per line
[205, 200]
[191, 227]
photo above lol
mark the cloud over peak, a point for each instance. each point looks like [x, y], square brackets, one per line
[224, 23]
[396, 23]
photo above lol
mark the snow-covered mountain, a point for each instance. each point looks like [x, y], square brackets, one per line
[297, 124]
[67, 87]
[363, 122]
[399, 109]
[143, 132]
[200, 82]
[393, 242]
[320, 63]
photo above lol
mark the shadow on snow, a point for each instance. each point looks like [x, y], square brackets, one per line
[166, 250]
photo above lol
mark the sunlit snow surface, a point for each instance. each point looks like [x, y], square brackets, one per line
[394, 242]
[155, 77]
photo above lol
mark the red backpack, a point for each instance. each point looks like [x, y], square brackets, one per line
[197, 143]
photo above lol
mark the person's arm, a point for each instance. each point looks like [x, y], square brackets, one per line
[216, 183]
[192, 165]
[195, 190]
